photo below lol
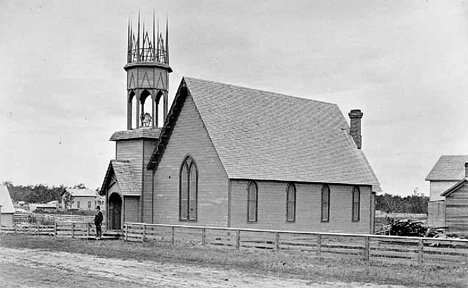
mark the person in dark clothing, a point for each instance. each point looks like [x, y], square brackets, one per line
[98, 222]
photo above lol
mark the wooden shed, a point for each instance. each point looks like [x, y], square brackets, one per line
[456, 207]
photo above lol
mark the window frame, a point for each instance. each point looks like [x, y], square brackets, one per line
[353, 209]
[249, 202]
[294, 192]
[322, 219]
[188, 216]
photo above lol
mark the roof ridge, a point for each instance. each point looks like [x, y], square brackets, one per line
[259, 90]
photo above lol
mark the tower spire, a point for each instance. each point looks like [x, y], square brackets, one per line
[167, 39]
[154, 40]
[138, 38]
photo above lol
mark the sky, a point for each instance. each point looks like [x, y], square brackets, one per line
[403, 63]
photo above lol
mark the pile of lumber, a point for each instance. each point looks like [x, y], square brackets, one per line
[408, 227]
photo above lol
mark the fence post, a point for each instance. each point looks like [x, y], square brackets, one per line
[143, 238]
[237, 239]
[0, 218]
[37, 227]
[73, 230]
[277, 235]
[421, 252]
[172, 235]
[366, 248]
[126, 231]
[319, 245]
[55, 229]
[203, 236]
[87, 230]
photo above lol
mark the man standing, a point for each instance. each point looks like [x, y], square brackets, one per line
[98, 222]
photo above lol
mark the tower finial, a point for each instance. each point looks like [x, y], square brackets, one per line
[154, 40]
[167, 39]
[138, 37]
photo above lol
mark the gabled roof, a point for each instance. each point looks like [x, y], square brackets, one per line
[448, 168]
[454, 187]
[125, 176]
[5, 200]
[269, 136]
[81, 192]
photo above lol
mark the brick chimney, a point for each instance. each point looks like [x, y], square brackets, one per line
[466, 170]
[355, 126]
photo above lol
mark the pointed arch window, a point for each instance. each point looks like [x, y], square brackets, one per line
[325, 211]
[356, 204]
[252, 202]
[188, 190]
[291, 203]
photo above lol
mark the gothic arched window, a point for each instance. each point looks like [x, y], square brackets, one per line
[325, 204]
[356, 203]
[252, 202]
[188, 190]
[291, 203]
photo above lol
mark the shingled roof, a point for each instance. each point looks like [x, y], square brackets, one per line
[5, 200]
[125, 176]
[448, 168]
[269, 136]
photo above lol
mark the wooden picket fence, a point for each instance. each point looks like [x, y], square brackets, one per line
[393, 249]
[50, 218]
[58, 229]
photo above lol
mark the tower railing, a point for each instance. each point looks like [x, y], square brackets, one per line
[147, 55]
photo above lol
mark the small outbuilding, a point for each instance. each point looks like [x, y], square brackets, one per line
[456, 207]
[6, 207]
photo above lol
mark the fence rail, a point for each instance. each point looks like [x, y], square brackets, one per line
[393, 249]
[50, 218]
[58, 229]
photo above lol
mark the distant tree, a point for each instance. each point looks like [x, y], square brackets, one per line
[39, 193]
[80, 186]
[415, 204]
[67, 200]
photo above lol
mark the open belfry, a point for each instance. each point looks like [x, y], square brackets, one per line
[147, 87]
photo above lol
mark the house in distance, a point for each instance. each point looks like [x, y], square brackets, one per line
[231, 156]
[448, 201]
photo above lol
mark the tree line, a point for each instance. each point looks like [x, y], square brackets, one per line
[39, 193]
[415, 204]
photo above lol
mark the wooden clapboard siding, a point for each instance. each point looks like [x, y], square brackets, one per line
[147, 183]
[456, 211]
[272, 207]
[190, 137]
[131, 208]
[436, 213]
[138, 152]
[131, 150]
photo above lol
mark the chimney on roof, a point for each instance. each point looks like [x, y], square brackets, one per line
[466, 170]
[355, 126]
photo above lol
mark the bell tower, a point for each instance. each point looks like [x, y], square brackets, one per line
[128, 184]
[147, 75]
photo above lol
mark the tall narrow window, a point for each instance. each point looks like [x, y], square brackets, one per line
[188, 190]
[193, 192]
[325, 203]
[291, 203]
[356, 203]
[252, 202]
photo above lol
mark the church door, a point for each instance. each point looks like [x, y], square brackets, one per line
[115, 212]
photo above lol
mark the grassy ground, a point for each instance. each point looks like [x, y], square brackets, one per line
[261, 262]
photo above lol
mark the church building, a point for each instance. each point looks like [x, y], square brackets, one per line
[231, 156]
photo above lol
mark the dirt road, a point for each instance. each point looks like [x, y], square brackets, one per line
[38, 268]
